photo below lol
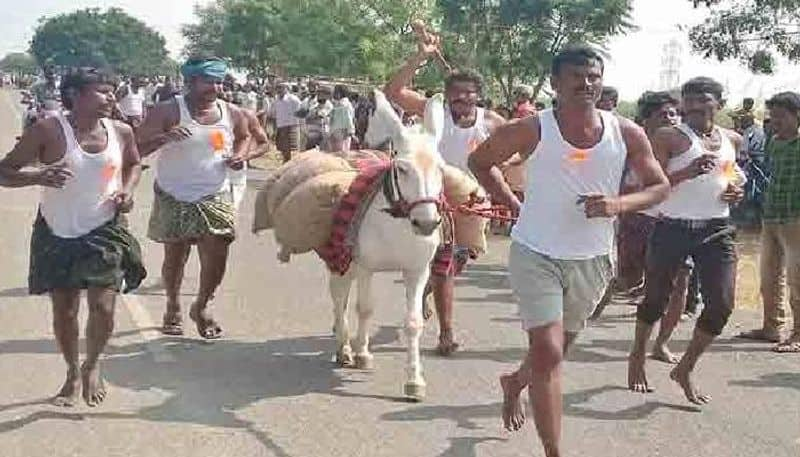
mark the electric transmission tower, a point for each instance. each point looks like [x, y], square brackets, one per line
[671, 65]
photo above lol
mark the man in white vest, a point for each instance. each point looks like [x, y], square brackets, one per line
[89, 169]
[465, 126]
[559, 262]
[700, 159]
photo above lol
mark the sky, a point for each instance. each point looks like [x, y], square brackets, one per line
[634, 60]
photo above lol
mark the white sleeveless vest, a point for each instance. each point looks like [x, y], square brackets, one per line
[195, 168]
[84, 203]
[551, 221]
[699, 198]
[456, 143]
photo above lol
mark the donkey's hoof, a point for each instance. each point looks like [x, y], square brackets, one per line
[344, 359]
[414, 392]
[365, 361]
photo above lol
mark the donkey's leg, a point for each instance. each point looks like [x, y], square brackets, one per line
[340, 294]
[415, 283]
[365, 306]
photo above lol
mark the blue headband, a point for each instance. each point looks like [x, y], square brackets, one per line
[211, 68]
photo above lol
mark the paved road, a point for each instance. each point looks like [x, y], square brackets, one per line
[270, 389]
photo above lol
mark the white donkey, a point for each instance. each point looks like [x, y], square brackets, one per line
[405, 241]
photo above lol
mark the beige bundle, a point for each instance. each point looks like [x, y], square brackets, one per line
[460, 188]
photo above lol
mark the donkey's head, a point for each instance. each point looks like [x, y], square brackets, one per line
[414, 187]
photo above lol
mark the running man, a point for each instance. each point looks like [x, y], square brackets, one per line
[199, 138]
[465, 127]
[560, 262]
[700, 159]
[90, 167]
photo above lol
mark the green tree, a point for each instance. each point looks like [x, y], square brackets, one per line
[91, 37]
[19, 63]
[753, 31]
[514, 41]
[357, 38]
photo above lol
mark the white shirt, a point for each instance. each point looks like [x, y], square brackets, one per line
[699, 198]
[195, 168]
[552, 221]
[133, 103]
[84, 203]
[283, 110]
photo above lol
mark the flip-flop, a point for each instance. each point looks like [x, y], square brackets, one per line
[208, 329]
[787, 347]
[172, 324]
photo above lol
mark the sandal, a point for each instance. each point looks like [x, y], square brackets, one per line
[207, 328]
[172, 324]
[790, 346]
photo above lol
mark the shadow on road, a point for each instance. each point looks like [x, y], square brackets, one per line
[772, 380]
[208, 383]
[14, 292]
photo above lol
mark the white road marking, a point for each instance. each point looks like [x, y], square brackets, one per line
[142, 319]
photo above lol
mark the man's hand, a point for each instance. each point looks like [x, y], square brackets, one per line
[55, 176]
[428, 43]
[733, 194]
[123, 201]
[702, 165]
[235, 162]
[600, 206]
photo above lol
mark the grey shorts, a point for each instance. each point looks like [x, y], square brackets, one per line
[553, 290]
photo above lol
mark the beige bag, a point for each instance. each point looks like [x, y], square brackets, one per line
[296, 172]
[469, 230]
[304, 218]
[289, 176]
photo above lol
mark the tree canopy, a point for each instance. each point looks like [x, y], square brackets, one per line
[358, 38]
[508, 41]
[91, 37]
[753, 31]
[19, 63]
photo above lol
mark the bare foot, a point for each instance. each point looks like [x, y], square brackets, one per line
[94, 388]
[67, 397]
[637, 377]
[662, 353]
[447, 345]
[683, 378]
[513, 411]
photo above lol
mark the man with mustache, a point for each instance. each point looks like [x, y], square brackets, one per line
[559, 263]
[655, 110]
[466, 126]
[700, 159]
[199, 138]
[90, 166]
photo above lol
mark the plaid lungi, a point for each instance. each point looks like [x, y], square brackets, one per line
[172, 220]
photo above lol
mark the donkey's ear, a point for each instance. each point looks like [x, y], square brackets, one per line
[385, 111]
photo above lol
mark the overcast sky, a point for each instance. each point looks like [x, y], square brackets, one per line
[635, 63]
